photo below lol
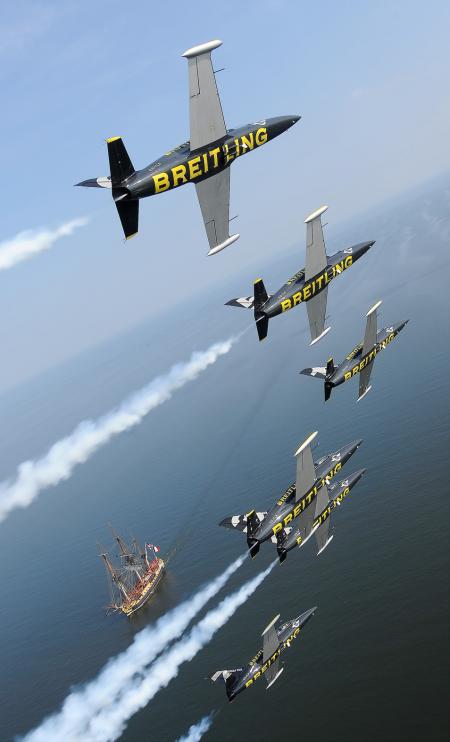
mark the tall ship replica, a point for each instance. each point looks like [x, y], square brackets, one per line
[136, 576]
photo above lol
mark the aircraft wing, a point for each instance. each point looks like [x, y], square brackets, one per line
[306, 476]
[370, 336]
[214, 199]
[364, 380]
[306, 471]
[207, 123]
[322, 500]
[322, 537]
[273, 672]
[317, 307]
[270, 638]
[316, 257]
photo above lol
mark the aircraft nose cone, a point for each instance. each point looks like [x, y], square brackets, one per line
[355, 445]
[356, 476]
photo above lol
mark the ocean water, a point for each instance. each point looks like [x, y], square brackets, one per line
[373, 663]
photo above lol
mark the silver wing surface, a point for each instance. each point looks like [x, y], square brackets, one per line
[306, 476]
[271, 641]
[207, 123]
[315, 263]
[364, 380]
[322, 537]
[370, 335]
[370, 339]
[316, 257]
[214, 199]
[273, 672]
[317, 307]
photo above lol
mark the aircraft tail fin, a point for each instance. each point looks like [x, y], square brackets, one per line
[252, 523]
[128, 214]
[119, 161]
[260, 298]
[330, 368]
[228, 677]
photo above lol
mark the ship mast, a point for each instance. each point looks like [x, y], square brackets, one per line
[114, 576]
[142, 552]
[127, 554]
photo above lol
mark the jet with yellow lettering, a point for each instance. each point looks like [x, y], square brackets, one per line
[330, 496]
[204, 160]
[360, 359]
[295, 502]
[266, 662]
[309, 285]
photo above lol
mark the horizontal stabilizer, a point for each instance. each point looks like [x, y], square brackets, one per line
[317, 371]
[245, 302]
[239, 522]
[102, 182]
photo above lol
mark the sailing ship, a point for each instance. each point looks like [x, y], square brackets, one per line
[136, 576]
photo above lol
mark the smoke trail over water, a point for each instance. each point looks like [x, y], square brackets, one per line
[26, 244]
[60, 460]
[196, 731]
[83, 705]
[111, 722]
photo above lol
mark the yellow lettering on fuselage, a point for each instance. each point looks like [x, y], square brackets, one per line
[318, 283]
[272, 658]
[306, 500]
[368, 358]
[208, 161]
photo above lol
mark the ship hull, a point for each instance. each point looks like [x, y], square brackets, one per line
[150, 588]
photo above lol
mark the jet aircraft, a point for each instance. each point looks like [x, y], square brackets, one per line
[309, 285]
[267, 661]
[295, 501]
[204, 160]
[289, 538]
[361, 358]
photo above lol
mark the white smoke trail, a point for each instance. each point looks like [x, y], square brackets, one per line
[82, 705]
[196, 731]
[26, 244]
[60, 460]
[111, 722]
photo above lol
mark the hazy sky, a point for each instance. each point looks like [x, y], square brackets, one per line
[370, 80]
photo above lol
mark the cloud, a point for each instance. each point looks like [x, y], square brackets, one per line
[31, 242]
[59, 462]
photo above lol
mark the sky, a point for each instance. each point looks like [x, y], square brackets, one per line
[370, 80]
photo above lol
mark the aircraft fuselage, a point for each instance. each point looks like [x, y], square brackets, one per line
[255, 669]
[355, 362]
[338, 493]
[180, 166]
[299, 290]
[286, 509]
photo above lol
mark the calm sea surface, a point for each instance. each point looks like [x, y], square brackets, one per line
[373, 663]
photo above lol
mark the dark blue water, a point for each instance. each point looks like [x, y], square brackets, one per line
[373, 663]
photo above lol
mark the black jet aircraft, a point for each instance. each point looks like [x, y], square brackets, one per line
[360, 360]
[267, 661]
[204, 160]
[309, 285]
[328, 498]
[295, 501]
